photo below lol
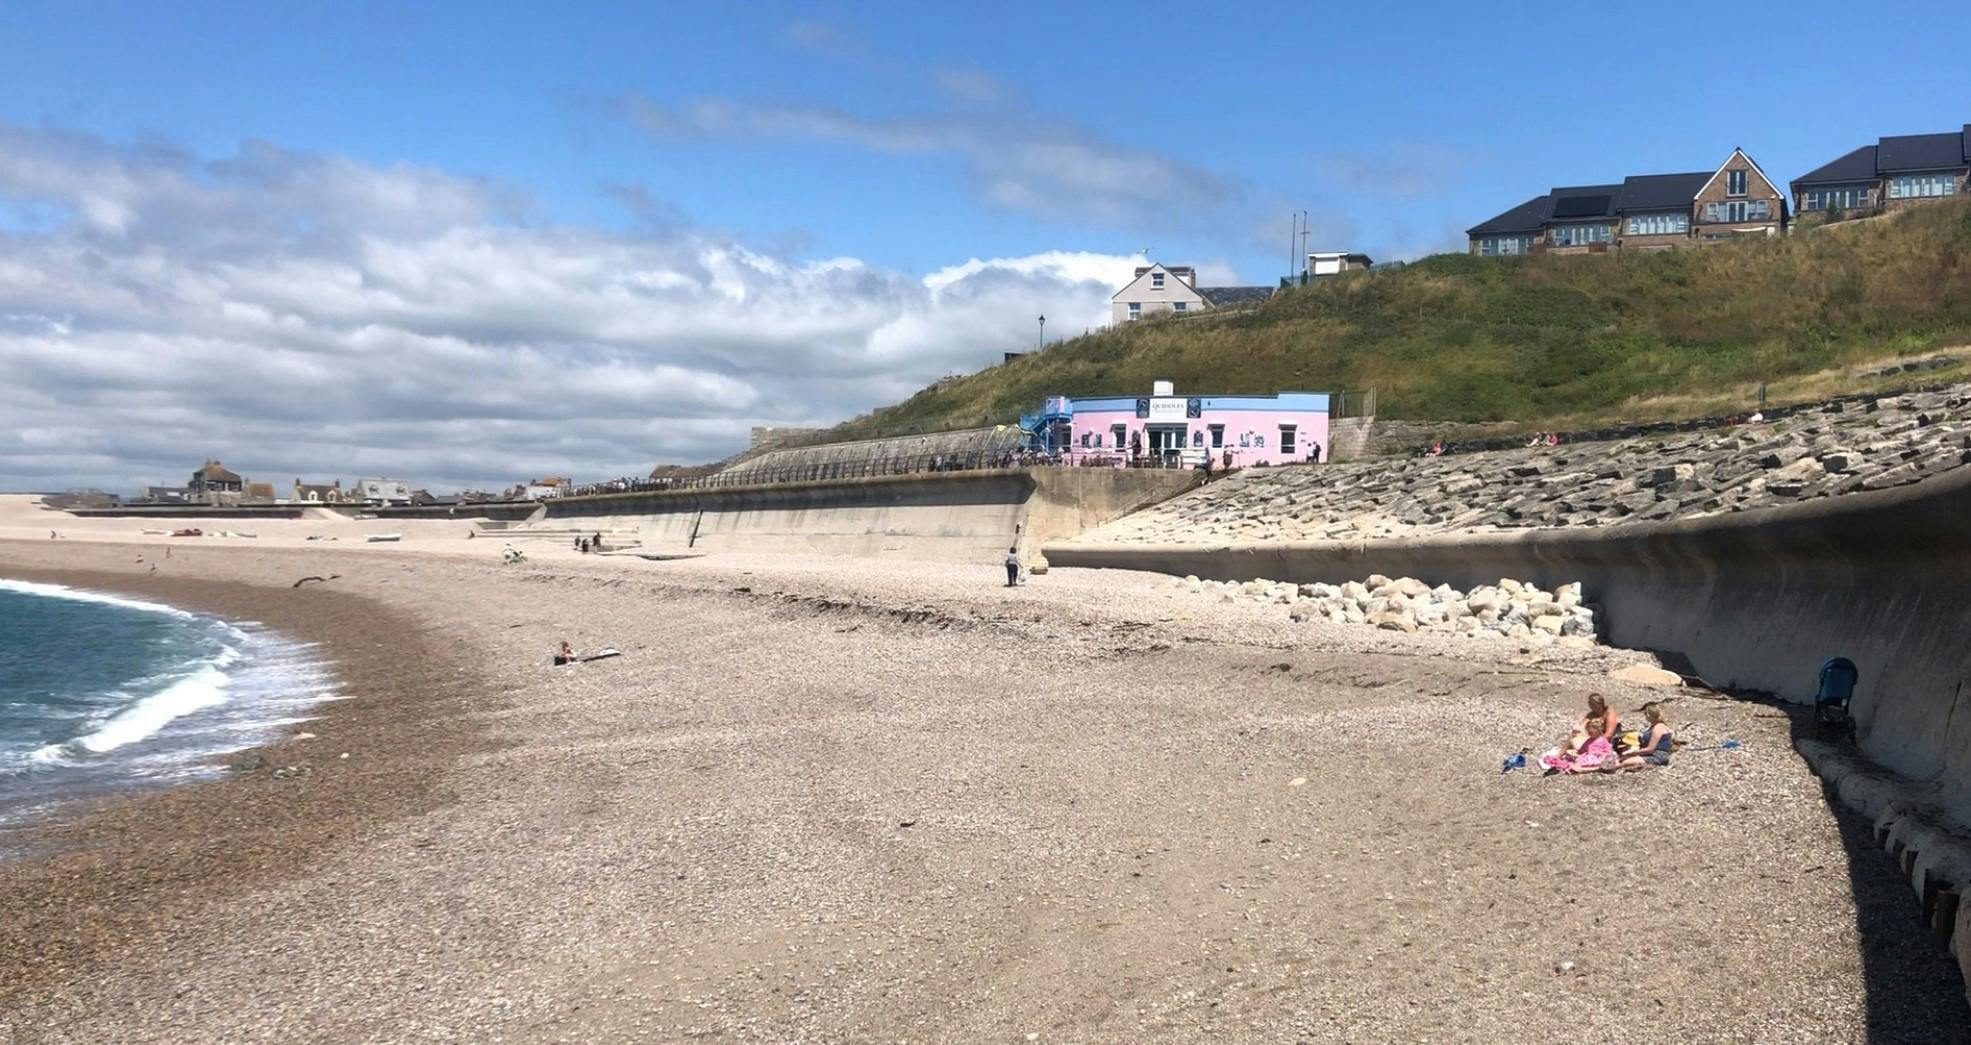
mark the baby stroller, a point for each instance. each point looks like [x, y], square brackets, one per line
[1837, 687]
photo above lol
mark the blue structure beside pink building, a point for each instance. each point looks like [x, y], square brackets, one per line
[1234, 430]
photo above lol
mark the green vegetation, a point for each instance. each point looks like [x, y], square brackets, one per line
[1544, 341]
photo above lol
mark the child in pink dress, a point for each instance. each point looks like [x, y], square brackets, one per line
[1587, 749]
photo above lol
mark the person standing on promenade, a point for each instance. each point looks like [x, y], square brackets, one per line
[1012, 566]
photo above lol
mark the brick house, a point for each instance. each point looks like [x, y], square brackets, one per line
[1894, 172]
[1642, 212]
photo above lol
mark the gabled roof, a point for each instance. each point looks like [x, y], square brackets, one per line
[1919, 152]
[1185, 276]
[1858, 165]
[1223, 296]
[1660, 191]
[1524, 218]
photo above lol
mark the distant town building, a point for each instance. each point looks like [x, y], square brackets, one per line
[1233, 430]
[1336, 262]
[1894, 172]
[427, 499]
[542, 489]
[164, 494]
[1643, 212]
[319, 493]
[380, 491]
[257, 492]
[214, 483]
[1159, 289]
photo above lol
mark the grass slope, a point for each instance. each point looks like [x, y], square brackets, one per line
[1534, 340]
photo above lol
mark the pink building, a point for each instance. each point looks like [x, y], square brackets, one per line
[1285, 428]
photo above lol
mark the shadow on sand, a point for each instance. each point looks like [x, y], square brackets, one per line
[1915, 991]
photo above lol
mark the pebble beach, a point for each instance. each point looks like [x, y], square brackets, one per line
[872, 800]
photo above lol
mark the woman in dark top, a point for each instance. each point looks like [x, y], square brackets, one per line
[1656, 742]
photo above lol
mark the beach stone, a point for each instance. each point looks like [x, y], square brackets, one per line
[1838, 461]
[1647, 675]
[1550, 623]
[1394, 620]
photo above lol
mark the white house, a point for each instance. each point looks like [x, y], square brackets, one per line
[1161, 290]
[380, 491]
[1335, 262]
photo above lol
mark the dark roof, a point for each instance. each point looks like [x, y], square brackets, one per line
[1584, 202]
[1524, 218]
[1223, 296]
[1858, 165]
[1660, 191]
[214, 472]
[1919, 152]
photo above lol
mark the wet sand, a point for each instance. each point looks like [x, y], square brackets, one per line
[840, 800]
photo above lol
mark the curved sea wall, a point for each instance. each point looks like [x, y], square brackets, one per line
[1754, 599]
[969, 516]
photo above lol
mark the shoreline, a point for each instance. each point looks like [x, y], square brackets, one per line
[103, 872]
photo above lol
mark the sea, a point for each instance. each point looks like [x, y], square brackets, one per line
[101, 692]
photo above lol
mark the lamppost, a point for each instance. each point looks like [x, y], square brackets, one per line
[1043, 334]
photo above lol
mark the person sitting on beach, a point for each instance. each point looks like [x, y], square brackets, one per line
[1656, 741]
[1587, 749]
[1611, 720]
[565, 655]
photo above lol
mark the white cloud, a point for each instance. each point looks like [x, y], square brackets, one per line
[300, 314]
[1017, 161]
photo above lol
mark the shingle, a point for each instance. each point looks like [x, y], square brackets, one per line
[1858, 165]
[1524, 218]
[1642, 192]
[1223, 296]
[1920, 152]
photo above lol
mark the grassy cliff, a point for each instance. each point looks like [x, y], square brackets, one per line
[1540, 340]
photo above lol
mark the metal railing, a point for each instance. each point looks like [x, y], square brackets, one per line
[869, 467]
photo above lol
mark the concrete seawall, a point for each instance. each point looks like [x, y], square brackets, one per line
[1755, 599]
[971, 516]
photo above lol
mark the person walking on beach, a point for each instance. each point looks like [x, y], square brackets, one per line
[1012, 566]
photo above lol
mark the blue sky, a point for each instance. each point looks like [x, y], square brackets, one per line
[397, 224]
[1397, 125]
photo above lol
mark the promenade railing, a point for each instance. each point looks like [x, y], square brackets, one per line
[869, 467]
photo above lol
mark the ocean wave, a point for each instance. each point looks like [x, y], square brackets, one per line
[60, 591]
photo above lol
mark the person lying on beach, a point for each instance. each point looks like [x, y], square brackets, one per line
[566, 655]
[1656, 741]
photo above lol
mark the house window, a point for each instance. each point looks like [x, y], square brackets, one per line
[1738, 210]
[1735, 183]
[1659, 224]
[1136, 310]
[1503, 246]
[1846, 197]
[1119, 433]
[1217, 437]
[1156, 280]
[1286, 439]
[1577, 235]
[1920, 186]
[1178, 306]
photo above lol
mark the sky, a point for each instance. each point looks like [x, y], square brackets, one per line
[470, 244]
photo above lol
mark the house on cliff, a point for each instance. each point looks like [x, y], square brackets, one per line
[1641, 212]
[1894, 172]
[1165, 290]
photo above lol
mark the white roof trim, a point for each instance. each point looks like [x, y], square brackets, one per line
[1721, 169]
